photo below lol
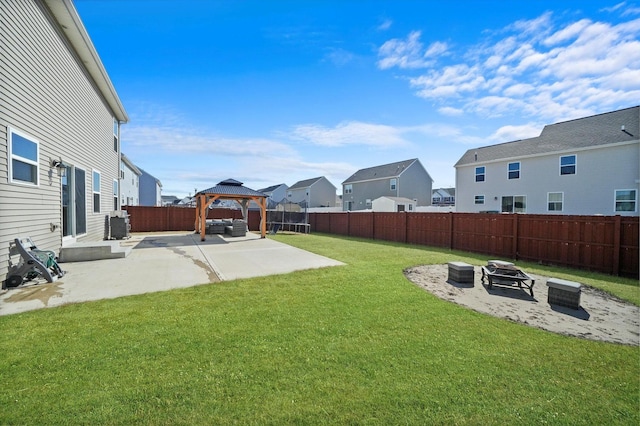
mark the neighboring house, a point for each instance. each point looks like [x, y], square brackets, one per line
[150, 190]
[129, 183]
[187, 201]
[393, 204]
[586, 166]
[443, 197]
[406, 179]
[59, 129]
[275, 194]
[316, 192]
[169, 200]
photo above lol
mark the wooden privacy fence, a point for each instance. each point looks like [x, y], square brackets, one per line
[156, 219]
[606, 244]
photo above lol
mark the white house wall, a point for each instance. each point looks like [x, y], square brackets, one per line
[599, 172]
[46, 95]
[129, 186]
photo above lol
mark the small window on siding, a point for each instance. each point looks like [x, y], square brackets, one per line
[348, 189]
[479, 199]
[514, 170]
[96, 191]
[626, 200]
[393, 183]
[115, 194]
[368, 202]
[480, 174]
[568, 165]
[24, 158]
[555, 201]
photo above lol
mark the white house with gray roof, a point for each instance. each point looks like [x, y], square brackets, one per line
[59, 129]
[275, 194]
[405, 179]
[587, 166]
[315, 192]
[129, 183]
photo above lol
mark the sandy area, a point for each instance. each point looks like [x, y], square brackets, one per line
[601, 316]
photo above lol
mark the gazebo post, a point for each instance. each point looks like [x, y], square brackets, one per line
[263, 213]
[197, 219]
[203, 217]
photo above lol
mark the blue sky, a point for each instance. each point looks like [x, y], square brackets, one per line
[269, 92]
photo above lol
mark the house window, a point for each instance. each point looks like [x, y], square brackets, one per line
[480, 174]
[289, 194]
[348, 189]
[96, 191]
[368, 202]
[24, 154]
[568, 165]
[115, 194]
[479, 199]
[514, 204]
[393, 184]
[514, 170]
[555, 201]
[626, 200]
[410, 207]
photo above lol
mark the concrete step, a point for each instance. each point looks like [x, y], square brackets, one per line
[93, 250]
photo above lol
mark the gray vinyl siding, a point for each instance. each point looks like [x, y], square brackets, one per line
[47, 95]
[323, 194]
[600, 171]
[415, 184]
[370, 190]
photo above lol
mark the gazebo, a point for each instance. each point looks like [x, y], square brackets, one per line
[229, 189]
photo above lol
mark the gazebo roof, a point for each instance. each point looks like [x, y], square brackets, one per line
[232, 187]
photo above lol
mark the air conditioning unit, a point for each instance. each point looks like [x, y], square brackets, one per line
[119, 224]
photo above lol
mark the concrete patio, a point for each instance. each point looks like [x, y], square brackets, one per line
[160, 262]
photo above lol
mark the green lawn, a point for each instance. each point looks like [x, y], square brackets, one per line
[356, 344]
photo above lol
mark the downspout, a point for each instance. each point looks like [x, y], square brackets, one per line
[119, 150]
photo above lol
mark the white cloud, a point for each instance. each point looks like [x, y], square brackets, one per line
[408, 53]
[435, 49]
[613, 8]
[512, 133]
[539, 68]
[450, 111]
[339, 57]
[349, 133]
[385, 25]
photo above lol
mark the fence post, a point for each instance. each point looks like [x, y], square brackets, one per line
[450, 230]
[514, 243]
[617, 229]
